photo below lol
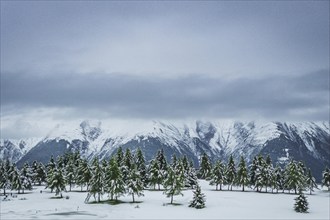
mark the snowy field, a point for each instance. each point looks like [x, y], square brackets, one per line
[154, 205]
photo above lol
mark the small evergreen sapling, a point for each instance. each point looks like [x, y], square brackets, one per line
[198, 201]
[301, 204]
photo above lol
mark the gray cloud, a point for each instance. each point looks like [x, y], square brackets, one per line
[214, 38]
[62, 60]
[127, 96]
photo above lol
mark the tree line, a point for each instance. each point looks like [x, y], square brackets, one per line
[126, 173]
[260, 175]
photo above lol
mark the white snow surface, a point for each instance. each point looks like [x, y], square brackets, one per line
[155, 205]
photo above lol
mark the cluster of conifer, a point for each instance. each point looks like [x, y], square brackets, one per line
[128, 173]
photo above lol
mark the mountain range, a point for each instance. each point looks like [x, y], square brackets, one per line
[306, 141]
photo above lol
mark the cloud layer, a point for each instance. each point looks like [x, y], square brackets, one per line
[76, 60]
[125, 96]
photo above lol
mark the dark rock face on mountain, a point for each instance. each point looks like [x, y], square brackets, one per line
[307, 141]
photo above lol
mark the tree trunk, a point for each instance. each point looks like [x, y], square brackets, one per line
[172, 199]
[133, 197]
[81, 188]
[266, 188]
[4, 190]
[70, 187]
[231, 187]
[243, 187]
[98, 198]
[158, 186]
[216, 187]
[295, 191]
[220, 186]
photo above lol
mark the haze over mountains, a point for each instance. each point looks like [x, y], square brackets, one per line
[306, 141]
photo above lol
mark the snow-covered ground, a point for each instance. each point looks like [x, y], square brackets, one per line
[154, 205]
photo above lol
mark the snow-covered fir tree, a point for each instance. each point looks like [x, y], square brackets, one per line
[84, 174]
[205, 167]
[268, 171]
[231, 173]
[185, 163]
[155, 176]
[253, 168]
[191, 179]
[34, 168]
[96, 183]
[26, 177]
[56, 181]
[198, 201]
[242, 174]
[104, 165]
[294, 176]
[40, 175]
[134, 184]
[127, 164]
[70, 173]
[141, 166]
[16, 181]
[51, 165]
[162, 163]
[326, 178]
[60, 162]
[120, 157]
[277, 179]
[173, 183]
[260, 174]
[301, 204]
[310, 181]
[174, 161]
[114, 183]
[4, 176]
[218, 177]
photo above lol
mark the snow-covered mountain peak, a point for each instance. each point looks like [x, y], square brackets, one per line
[91, 131]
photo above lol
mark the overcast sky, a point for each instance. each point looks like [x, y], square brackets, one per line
[108, 60]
